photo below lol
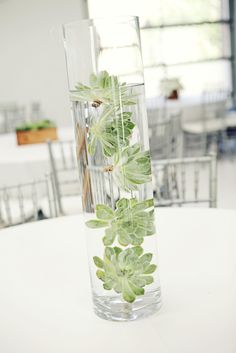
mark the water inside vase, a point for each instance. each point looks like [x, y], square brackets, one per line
[104, 182]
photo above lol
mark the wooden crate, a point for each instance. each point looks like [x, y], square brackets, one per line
[36, 136]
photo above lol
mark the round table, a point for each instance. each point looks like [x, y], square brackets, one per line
[19, 164]
[45, 301]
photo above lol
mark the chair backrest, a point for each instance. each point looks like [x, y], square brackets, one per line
[195, 145]
[214, 104]
[104, 190]
[12, 115]
[26, 202]
[36, 113]
[185, 181]
[213, 112]
[166, 138]
[64, 169]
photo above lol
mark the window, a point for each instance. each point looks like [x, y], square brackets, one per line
[187, 39]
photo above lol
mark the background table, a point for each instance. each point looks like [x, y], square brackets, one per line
[45, 302]
[27, 162]
[210, 126]
[190, 108]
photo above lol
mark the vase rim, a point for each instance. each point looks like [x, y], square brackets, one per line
[97, 20]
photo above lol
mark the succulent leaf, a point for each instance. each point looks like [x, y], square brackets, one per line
[104, 212]
[101, 275]
[98, 262]
[96, 223]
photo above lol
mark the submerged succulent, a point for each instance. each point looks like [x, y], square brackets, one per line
[129, 223]
[104, 89]
[132, 167]
[112, 131]
[126, 271]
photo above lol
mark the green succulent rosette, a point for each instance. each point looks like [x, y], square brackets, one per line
[112, 131]
[129, 223]
[125, 271]
[103, 89]
[132, 167]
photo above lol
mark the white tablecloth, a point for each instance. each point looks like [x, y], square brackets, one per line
[190, 108]
[45, 301]
[210, 126]
[24, 163]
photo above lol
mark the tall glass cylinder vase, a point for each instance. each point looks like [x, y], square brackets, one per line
[106, 85]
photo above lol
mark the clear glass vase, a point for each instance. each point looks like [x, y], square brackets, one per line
[106, 85]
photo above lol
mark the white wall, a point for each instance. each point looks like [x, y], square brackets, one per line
[32, 61]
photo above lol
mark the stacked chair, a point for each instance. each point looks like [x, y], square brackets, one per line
[185, 181]
[65, 177]
[208, 133]
[11, 115]
[184, 163]
[165, 137]
[27, 202]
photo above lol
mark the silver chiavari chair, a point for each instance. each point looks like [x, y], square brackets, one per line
[214, 104]
[210, 130]
[185, 181]
[36, 113]
[12, 115]
[194, 143]
[27, 202]
[166, 138]
[66, 177]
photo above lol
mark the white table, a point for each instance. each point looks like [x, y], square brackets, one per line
[190, 108]
[45, 302]
[27, 162]
[210, 126]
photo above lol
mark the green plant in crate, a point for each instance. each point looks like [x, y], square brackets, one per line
[37, 125]
[126, 271]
